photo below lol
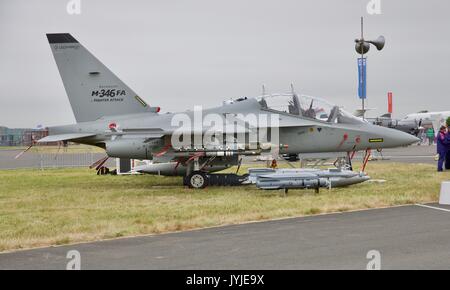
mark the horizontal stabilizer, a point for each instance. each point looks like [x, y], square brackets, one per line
[64, 137]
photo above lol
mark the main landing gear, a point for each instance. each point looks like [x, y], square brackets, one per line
[197, 180]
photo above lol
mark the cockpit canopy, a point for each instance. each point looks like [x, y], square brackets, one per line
[307, 107]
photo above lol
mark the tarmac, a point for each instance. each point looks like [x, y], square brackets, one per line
[410, 154]
[406, 237]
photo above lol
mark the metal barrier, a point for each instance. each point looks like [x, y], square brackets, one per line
[48, 160]
[43, 160]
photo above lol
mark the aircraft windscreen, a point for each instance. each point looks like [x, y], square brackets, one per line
[307, 107]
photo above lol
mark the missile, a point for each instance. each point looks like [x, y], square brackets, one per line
[173, 168]
[267, 178]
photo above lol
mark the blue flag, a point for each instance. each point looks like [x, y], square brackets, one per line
[362, 78]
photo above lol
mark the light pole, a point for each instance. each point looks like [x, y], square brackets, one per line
[362, 47]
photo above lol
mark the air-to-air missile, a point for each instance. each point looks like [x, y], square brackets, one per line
[303, 178]
[173, 168]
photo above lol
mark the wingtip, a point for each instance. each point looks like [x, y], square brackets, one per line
[61, 38]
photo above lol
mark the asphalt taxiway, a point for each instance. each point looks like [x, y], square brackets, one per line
[407, 237]
[410, 154]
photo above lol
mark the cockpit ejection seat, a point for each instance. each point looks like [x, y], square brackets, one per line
[294, 106]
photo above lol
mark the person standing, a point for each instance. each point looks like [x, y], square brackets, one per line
[447, 157]
[442, 147]
[431, 136]
[422, 136]
[274, 164]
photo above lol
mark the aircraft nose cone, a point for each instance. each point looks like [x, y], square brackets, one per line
[412, 139]
[392, 138]
[404, 139]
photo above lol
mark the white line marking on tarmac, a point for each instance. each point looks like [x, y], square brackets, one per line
[433, 207]
[387, 158]
[407, 156]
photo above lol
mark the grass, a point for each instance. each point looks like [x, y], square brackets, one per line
[56, 207]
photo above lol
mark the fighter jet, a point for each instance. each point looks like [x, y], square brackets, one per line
[194, 143]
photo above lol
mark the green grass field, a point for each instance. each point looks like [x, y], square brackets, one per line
[54, 207]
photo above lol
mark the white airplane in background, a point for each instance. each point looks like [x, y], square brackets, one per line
[412, 123]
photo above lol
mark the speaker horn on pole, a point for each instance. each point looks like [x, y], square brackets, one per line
[379, 42]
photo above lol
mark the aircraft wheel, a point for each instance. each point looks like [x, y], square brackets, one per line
[293, 158]
[197, 180]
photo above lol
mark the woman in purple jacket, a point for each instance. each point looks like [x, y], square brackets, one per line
[447, 158]
[442, 146]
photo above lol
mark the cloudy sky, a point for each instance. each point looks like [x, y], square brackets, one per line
[181, 53]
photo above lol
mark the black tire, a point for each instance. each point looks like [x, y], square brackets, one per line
[293, 158]
[197, 180]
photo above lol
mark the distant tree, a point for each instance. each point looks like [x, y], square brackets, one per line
[448, 122]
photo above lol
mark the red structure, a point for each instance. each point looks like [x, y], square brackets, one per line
[390, 103]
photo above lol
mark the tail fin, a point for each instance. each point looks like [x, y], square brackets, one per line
[93, 90]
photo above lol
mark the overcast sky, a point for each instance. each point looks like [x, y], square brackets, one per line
[177, 54]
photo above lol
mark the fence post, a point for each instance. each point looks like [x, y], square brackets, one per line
[41, 161]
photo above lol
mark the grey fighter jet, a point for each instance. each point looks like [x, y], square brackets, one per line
[112, 116]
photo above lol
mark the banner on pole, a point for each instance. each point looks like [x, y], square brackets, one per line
[362, 78]
[390, 104]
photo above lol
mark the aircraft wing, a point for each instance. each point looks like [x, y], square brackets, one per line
[64, 137]
[167, 131]
[238, 125]
[241, 126]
